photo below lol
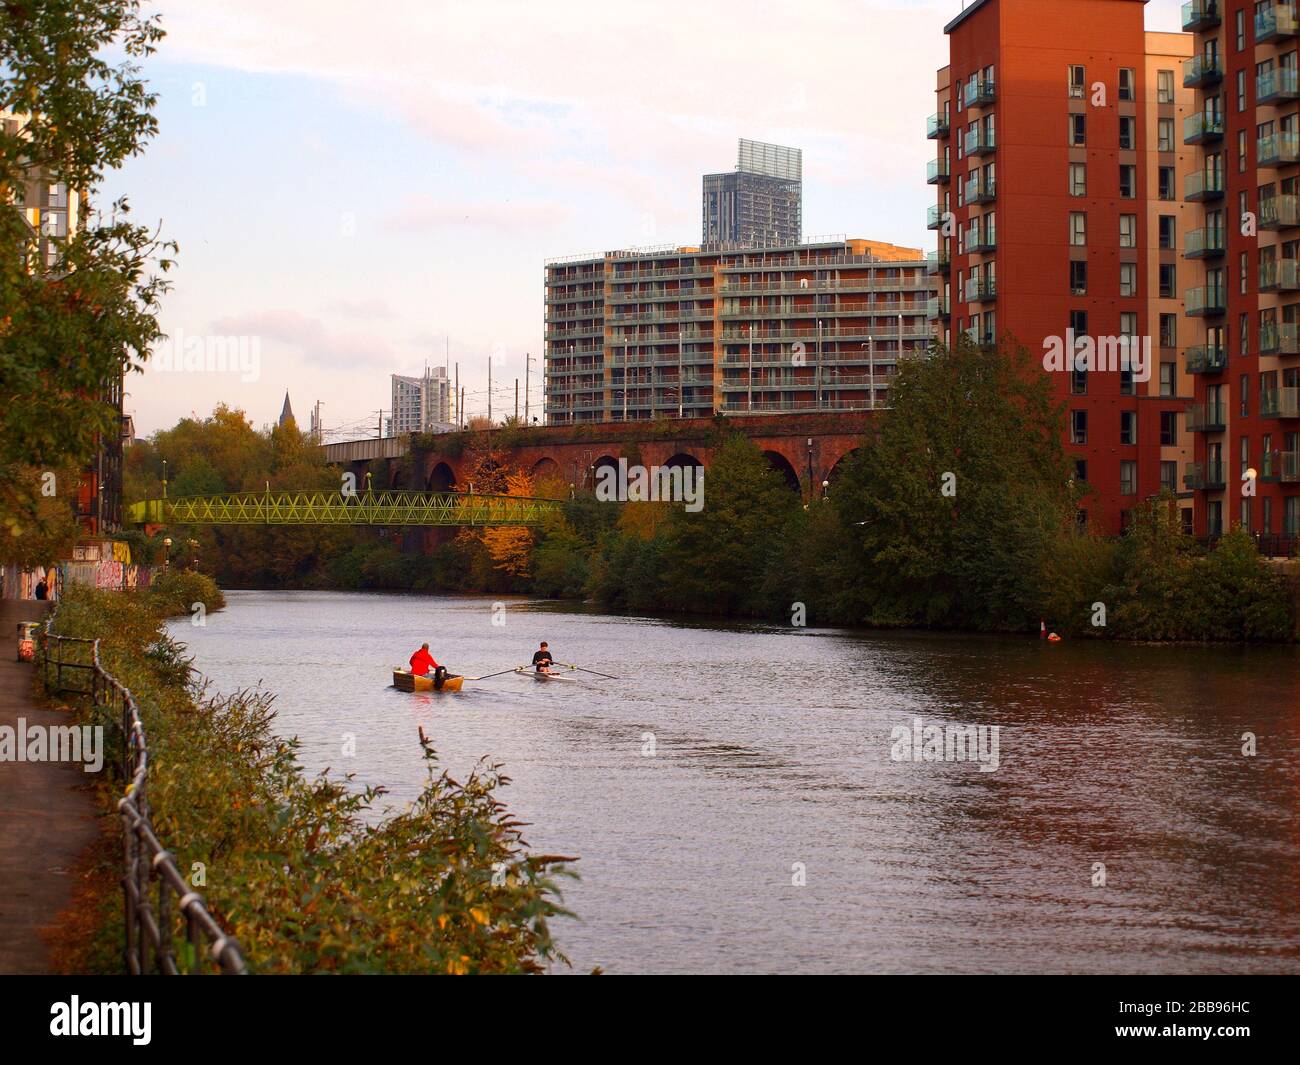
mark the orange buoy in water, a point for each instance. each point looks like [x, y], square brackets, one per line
[1053, 638]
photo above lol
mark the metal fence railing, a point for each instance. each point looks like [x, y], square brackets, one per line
[151, 882]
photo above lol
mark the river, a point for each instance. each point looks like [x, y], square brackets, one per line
[738, 807]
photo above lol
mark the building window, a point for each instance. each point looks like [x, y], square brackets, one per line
[1079, 323]
[1127, 132]
[1165, 135]
[1241, 30]
[1128, 478]
[1169, 477]
[1128, 324]
[1078, 278]
[1243, 331]
[1243, 383]
[1168, 376]
[1128, 279]
[1127, 83]
[1078, 228]
[1241, 90]
[1079, 429]
[1166, 183]
[1078, 179]
[1244, 270]
[1128, 231]
[1076, 78]
[1078, 131]
[1168, 428]
[1168, 232]
[1241, 151]
[1081, 474]
[1169, 330]
[1164, 86]
[1291, 516]
[1128, 427]
[1127, 181]
[1168, 281]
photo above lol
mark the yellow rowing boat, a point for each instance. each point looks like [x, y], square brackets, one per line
[404, 680]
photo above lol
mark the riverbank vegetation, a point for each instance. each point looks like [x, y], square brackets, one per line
[959, 512]
[312, 874]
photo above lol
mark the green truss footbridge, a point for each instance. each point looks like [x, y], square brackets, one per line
[335, 508]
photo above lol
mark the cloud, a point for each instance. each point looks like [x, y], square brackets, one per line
[317, 344]
[364, 309]
[420, 214]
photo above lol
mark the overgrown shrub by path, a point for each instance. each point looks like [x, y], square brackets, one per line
[176, 592]
[302, 870]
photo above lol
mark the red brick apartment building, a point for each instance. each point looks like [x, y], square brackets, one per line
[1064, 136]
[685, 332]
[1245, 135]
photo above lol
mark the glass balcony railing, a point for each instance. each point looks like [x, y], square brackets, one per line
[933, 217]
[936, 172]
[979, 92]
[1206, 300]
[979, 290]
[1279, 338]
[1202, 70]
[1207, 417]
[937, 126]
[1205, 476]
[1279, 212]
[1282, 83]
[1206, 358]
[1279, 275]
[981, 190]
[1200, 15]
[980, 142]
[1204, 243]
[1278, 149]
[1204, 185]
[1275, 25]
[937, 307]
[1280, 403]
[1202, 127]
[936, 263]
[982, 240]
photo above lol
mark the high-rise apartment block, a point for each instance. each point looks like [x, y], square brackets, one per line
[1244, 199]
[1063, 139]
[421, 404]
[685, 332]
[760, 203]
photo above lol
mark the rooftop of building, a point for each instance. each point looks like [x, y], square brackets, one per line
[975, 5]
[879, 250]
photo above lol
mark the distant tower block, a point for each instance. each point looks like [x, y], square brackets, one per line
[760, 203]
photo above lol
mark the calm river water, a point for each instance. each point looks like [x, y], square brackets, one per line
[772, 765]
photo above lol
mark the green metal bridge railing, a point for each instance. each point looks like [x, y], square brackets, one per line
[335, 508]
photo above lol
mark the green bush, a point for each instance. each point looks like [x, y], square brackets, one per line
[174, 592]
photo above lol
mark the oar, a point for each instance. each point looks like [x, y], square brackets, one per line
[570, 665]
[512, 669]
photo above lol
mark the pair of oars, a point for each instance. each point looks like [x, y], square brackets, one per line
[523, 669]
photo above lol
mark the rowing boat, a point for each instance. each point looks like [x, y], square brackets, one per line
[547, 676]
[404, 680]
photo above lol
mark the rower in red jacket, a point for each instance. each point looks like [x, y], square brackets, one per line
[422, 663]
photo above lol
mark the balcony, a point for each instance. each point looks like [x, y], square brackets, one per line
[1275, 25]
[979, 190]
[935, 263]
[1207, 417]
[1277, 85]
[1275, 339]
[937, 307]
[1279, 275]
[1204, 185]
[1205, 243]
[1283, 403]
[937, 126]
[1205, 476]
[1200, 15]
[1279, 212]
[1283, 466]
[981, 290]
[980, 92]
[982, 241]
[1206, 358]
[1205, 301]
[1202, 128]
[936, 172]
[933, 217]
[1280, 149]
[980, 142]
[1202, 70]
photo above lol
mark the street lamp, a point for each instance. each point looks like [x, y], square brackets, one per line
[167, 552]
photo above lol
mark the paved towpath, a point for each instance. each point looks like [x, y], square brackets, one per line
[47, 814]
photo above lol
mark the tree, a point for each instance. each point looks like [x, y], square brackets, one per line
[953, 506]
[71, 325]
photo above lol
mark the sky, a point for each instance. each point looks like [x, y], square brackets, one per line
[359, 190]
